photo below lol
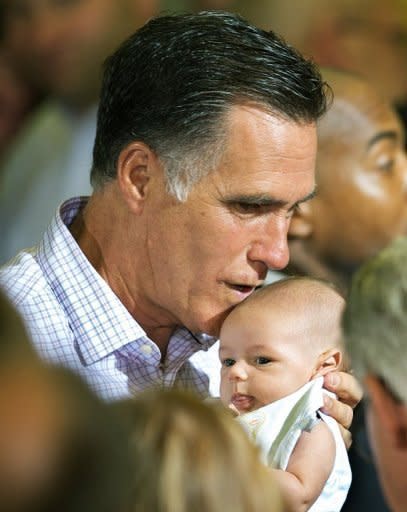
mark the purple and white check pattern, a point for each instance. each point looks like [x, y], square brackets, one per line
[76, 320]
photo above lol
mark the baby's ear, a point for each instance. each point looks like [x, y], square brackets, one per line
[302, 221]
[328, 361]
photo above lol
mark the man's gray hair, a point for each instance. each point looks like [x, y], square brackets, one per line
[375, 319]
[173, 83]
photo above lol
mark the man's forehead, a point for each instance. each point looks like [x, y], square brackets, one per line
[266, 138]
[243, 114]
[265, 160]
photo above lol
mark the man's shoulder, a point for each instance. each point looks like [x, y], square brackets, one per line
[25, 284]
[22, 278]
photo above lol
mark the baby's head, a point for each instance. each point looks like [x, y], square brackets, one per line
[277, 340]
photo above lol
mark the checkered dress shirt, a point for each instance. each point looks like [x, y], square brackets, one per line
[76, 320]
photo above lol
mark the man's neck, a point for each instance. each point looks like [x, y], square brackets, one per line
[97, 230]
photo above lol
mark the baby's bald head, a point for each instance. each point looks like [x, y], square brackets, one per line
[309, 309]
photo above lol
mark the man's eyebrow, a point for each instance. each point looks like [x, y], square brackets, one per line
[304, 199]
[265, 200]
[389, 134]
[307, 197]
[255, 199]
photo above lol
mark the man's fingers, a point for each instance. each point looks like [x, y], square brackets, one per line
[349, 393]
[346, 436]
[345, 386]
[339, 411]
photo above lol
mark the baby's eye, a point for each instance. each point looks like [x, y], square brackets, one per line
[228, 362]
[262, 360]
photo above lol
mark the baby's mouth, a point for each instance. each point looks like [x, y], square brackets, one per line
[243, 403]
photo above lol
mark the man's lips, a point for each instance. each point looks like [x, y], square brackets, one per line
[244, 289]
[242, 402]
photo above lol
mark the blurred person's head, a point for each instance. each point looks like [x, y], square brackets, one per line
[277, 340]
[17, 98]
[14, 342]
[190, 455]
[361, 173]
[375, 334]
[364, 36]
[59, 46]
[60, 448]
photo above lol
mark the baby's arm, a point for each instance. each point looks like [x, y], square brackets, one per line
[308, 469]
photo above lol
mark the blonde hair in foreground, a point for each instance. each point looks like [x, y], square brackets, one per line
[375, 318]
[193, 456]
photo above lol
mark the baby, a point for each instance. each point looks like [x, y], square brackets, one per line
[273, 349]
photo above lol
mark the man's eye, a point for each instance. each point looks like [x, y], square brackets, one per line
[262, 360]
[228, 362]
[386, 165]
[385, 162]
[248, 207]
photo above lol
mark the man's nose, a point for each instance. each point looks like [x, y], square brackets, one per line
[271, 246]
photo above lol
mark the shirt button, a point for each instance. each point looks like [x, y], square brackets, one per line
[146, 349]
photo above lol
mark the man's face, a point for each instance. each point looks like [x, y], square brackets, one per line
[264, 356]
[60, 45]
[209, 253]
[362, 201]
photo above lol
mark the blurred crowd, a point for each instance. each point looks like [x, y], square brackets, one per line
[61, 447]
[51, 58]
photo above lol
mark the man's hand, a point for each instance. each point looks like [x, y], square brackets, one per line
[349, 393]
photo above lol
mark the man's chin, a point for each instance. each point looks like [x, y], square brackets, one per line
[212, 325]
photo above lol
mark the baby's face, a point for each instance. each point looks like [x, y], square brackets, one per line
[262, 361]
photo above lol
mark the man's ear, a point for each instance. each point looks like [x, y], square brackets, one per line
[391, 414]
[301, 225]
[134, 172]
[328, 361]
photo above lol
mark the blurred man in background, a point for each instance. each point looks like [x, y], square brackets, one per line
[58, 47]
[361, 205]
[364, 36]
[375, 329]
